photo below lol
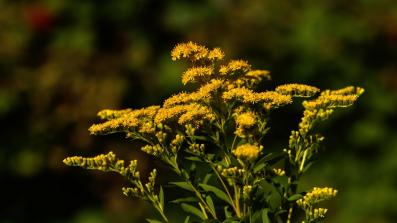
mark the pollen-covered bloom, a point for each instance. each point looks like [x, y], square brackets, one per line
[216, 54]
[233, 66]
[196, 114]
[244, 121]
[195, 73]
[297, 90]
[315, 196]
[125, 120]
[247, 152]
[189, 50]
[258, 74]
[350, 90]
[330, 101]
[107, 162]
[244, 94]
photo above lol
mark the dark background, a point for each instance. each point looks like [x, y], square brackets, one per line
[61, 61]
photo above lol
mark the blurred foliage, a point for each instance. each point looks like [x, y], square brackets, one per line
[62, 61]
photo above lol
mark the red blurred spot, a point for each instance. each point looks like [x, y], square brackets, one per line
[38, 18]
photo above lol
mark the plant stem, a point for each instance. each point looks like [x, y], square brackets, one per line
[224, 186]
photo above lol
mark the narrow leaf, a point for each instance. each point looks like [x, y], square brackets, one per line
[193, 210]
[228, 214]
[187, 219]
[219, 193]
[265, 217]
[185, 199]
[210, 203]
[183, 185]
[161, 195]
[295, 197]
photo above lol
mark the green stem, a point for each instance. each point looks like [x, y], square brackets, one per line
[225, 187]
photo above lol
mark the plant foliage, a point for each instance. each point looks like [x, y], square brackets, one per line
[222, 125]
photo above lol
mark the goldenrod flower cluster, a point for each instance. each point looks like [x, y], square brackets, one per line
[154, 150]
[196, 148]
[205, 92]
[234, 66]
[315, 196]
[244, 121]
[232, 172]
[297, 90]
[221, 122]
[125, 120]
[247, 152]
[102, 162]
[186, 113]
[246, 191]
[196, 73]
[279, 172]
[245, 95]
[189, 50]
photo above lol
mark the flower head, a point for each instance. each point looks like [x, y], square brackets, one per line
[247, 152]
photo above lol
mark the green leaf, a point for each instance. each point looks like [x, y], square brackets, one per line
[258, 167]
[187, 219]
[228, 214]
[185, 199]
[194, 158]
[153, 221]
[183, 185]
[210, 203]
[161, 195]
[207, 178]
[192, 210]
[218, 192]
[295, 197]
[265, 217]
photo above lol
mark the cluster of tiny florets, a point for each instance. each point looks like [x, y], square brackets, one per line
[247, 152]
[221, 122]
[316, 195]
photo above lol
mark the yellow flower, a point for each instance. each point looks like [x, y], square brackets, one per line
[216, 54]
[258, 74]
[315, 196]
[170, 112]
[247, 152]
[179, 98]
[233, 66]
[195, 73]
[297, 90]
[246, 119]
[330, 101]
[351, 90]
[189, 50]
[279, 172]
[244, 94]
[108, 114]
[196, 114]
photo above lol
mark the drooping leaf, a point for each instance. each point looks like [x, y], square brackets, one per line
[192, 210]
[218, 192]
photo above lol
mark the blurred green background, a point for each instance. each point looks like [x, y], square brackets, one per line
[62, 61]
